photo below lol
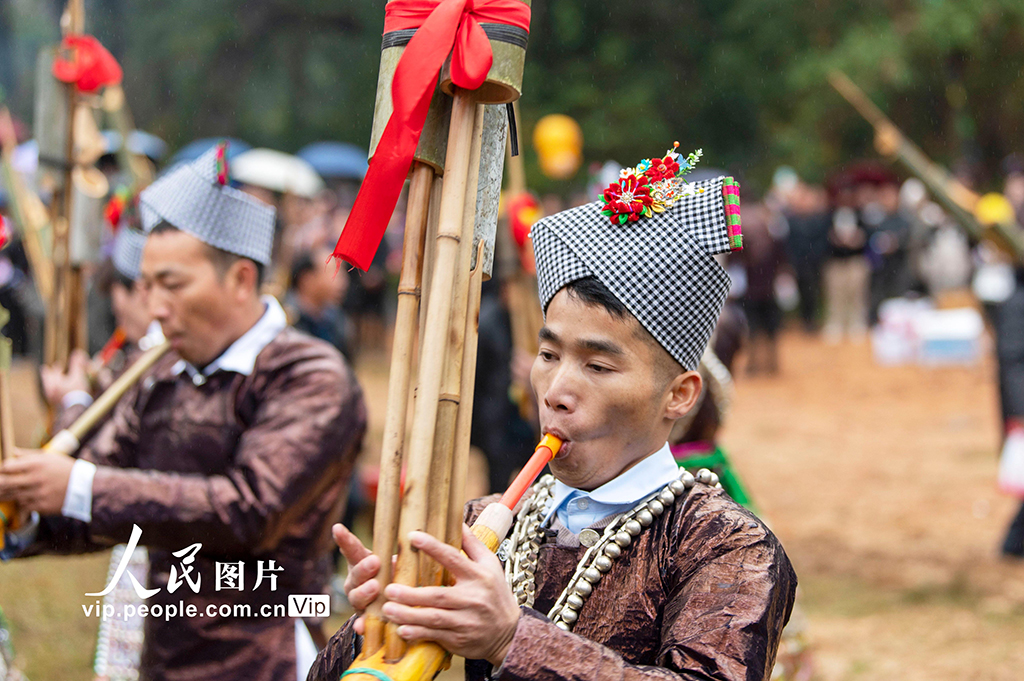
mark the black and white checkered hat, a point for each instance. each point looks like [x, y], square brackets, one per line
[127, 256]
[660, 267]
[191, 198]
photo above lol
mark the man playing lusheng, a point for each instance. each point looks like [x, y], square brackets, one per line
[234, 449]
[685, 584]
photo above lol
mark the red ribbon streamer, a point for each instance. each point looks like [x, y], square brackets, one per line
[82, 60]
[443, 27]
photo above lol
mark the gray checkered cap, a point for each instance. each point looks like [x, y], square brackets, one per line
[127, 256]
[661, 267]
[190, 198]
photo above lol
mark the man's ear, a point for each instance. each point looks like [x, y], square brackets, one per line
[242, 275]
[683, 393]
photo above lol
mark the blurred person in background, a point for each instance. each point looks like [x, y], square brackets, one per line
[763, 257]
[888, 246]
[315, 300]
[846, 272]
[18, 294]
[807, 246]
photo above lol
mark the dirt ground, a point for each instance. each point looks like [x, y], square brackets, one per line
[878, 480]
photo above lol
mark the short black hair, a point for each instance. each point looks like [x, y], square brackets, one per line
[107, 275]
[303, 265]
[221, 259]
[592, 291]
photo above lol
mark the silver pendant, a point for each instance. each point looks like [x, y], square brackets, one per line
[589, 537]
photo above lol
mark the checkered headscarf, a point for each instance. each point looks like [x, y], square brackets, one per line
[127, 256]
[660, 267]
[191, 198]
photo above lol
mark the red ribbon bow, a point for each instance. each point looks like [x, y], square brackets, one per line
[443, 27]
[82, 60]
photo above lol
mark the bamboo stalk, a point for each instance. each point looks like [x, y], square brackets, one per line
[385, 520]
[464, 422]
[429, 374]
[9, 514]
[449, 401]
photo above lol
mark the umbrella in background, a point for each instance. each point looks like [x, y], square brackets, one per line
[194, 150]
[336, 160]
[276, 171]
[139, 142]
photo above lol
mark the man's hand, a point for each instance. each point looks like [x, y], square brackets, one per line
[475, 618]
[57, 383]
[36, 480]
[361, 587]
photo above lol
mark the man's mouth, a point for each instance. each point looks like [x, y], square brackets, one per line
[566, 441]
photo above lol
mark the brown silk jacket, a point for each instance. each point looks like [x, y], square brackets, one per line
[703, 593]
[252, 467]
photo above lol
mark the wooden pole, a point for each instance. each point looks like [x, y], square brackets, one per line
[429, 374]
[957, 199]
[451, 386]
[385, 520]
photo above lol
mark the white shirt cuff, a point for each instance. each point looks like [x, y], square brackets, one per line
[78, 498]
[75, 398]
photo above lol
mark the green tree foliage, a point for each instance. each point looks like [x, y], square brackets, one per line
[744, 79]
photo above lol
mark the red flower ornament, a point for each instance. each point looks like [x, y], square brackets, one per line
[628, 199]
[662, 169]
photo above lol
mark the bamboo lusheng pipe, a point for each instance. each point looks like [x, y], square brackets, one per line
[450, 397]
[422, 660]
[68, 440]
[385, 520]
[957, 198]
[464, 422]
[433, 343]
[9, 516]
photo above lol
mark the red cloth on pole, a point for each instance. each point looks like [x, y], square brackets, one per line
[443, 27]
[82, 60]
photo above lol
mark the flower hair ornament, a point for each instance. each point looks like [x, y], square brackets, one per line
[651, 187]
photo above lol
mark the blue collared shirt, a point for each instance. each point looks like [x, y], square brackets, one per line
[577, 509]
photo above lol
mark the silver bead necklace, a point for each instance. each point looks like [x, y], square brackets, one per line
[521, 550]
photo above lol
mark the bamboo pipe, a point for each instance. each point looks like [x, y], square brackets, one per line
[9, 516]
[69, 440]
[451, 385]
[385, 519]
[464, 422]
[439, 303]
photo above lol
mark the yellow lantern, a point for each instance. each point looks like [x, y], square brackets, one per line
[559, 144]
[994, 209]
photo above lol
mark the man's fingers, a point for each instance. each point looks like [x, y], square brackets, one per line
[350, 546]
[431, 618]
[426, 596]
[361, 596]
[363, 571]
[448, 556]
